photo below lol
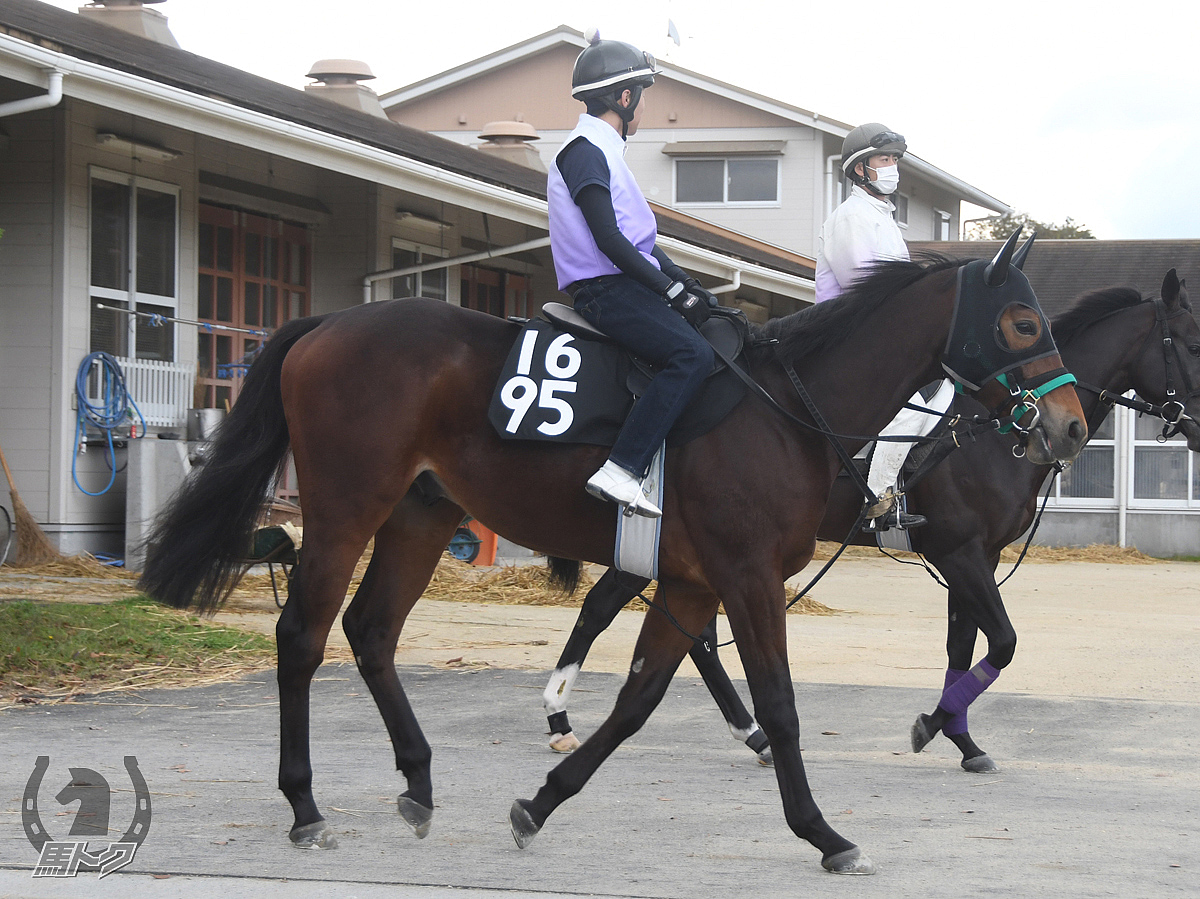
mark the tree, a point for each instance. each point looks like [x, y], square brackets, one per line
[999, 227]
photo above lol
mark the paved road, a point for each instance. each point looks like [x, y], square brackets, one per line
[1097, 797]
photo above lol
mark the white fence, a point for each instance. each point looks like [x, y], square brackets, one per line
[161, 390]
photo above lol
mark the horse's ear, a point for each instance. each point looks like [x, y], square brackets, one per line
[997, 270]
[1019, 257]
[1170, 289]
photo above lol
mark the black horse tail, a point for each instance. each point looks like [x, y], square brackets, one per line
[564, 573]
[197, 549]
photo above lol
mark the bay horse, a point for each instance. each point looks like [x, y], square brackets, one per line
[977, 501]
[384, 407]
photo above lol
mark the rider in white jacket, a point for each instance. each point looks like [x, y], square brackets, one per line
[860, 231]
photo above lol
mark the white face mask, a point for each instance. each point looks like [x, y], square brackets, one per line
[887, 178]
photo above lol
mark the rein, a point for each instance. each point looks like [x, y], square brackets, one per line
[1058, 469]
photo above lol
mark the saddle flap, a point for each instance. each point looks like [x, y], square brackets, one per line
[566, 318]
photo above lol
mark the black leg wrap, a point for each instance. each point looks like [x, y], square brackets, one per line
[558, 723]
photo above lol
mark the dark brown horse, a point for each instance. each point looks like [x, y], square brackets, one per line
[384, 407]
[978, 501]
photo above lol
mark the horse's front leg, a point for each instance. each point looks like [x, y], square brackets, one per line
[600, 607]
[741, 723]
[974, 604]
[756, 616]
[659, 650]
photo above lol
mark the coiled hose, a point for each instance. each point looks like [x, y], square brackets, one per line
[106, 416]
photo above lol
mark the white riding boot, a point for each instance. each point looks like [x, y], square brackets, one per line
[614, 483]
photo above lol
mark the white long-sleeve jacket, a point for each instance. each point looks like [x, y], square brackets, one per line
[860, 231]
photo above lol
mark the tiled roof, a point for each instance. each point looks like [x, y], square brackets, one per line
[1061, 270]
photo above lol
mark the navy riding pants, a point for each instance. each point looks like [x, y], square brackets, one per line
[641, 321]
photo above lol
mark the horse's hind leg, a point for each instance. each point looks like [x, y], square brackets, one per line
[407, 550]
[609, 595]
[315, 594]
[741, 723]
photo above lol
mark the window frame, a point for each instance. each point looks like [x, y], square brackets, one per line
[425, 253]
[725, 202]
[131, 297]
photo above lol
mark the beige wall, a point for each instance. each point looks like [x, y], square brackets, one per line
[538, 91]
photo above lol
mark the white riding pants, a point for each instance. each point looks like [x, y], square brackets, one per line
[889, 457]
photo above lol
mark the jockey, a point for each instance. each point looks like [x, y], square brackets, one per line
[860, 231]
[603, 239]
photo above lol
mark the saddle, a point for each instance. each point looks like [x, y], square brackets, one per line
[568, 382]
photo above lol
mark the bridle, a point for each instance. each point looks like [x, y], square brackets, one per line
[1172, 411]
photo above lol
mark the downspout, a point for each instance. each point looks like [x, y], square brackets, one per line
[734, 283]
[369, 280]
[829, 183]
[42, 101]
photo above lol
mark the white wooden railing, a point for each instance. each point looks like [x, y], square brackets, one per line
[161, 390]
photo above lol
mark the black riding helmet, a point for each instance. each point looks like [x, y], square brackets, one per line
[865, 141]
[605, 70]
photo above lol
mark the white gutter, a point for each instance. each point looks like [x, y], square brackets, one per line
[369, 280]
[42, 101]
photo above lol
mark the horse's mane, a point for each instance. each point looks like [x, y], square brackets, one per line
[825, 324]
[1090, 308]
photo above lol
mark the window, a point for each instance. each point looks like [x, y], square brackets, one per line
[1093, 474]
[941, 225]
[734, 181]
[134, 241]
[253, 276]
[496, 292]
[1161, 471]
[430, 283]
[901, 213]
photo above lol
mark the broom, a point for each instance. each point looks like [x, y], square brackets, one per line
[33, 546]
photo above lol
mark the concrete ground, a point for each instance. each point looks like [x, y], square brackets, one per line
[1094, 726]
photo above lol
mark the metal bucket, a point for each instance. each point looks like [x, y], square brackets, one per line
[202, 422]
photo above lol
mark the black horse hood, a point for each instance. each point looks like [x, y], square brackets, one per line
[976, 350]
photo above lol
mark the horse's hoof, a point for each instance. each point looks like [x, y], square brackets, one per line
[766, 759]
[567, 742]
[523, 827]
[850, 861]
[317, 835]
[415, 815]
[981, 764]
[920, 734]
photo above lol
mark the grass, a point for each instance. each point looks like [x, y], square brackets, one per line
[60, 650]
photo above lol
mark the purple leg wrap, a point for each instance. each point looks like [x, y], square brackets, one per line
[958, 723]
[959, 695]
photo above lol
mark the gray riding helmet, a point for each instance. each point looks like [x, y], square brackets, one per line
[866, 141]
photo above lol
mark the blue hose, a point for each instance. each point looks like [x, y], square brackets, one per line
[107, 415]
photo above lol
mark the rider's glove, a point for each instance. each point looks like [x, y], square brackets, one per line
[695, 287]
[692, 307]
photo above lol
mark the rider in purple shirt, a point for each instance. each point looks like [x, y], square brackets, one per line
[603, 238]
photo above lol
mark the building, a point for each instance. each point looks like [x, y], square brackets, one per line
[733, 157]
[1126, 488]
[136, 177]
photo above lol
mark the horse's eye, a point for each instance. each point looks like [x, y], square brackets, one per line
[1194, 349]
[1027, 328]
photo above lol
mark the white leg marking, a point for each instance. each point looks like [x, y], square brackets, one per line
[558, 690]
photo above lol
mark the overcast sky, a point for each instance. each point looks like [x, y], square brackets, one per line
[1058, 109]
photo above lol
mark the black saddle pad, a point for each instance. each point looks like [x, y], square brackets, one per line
[564, 387]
